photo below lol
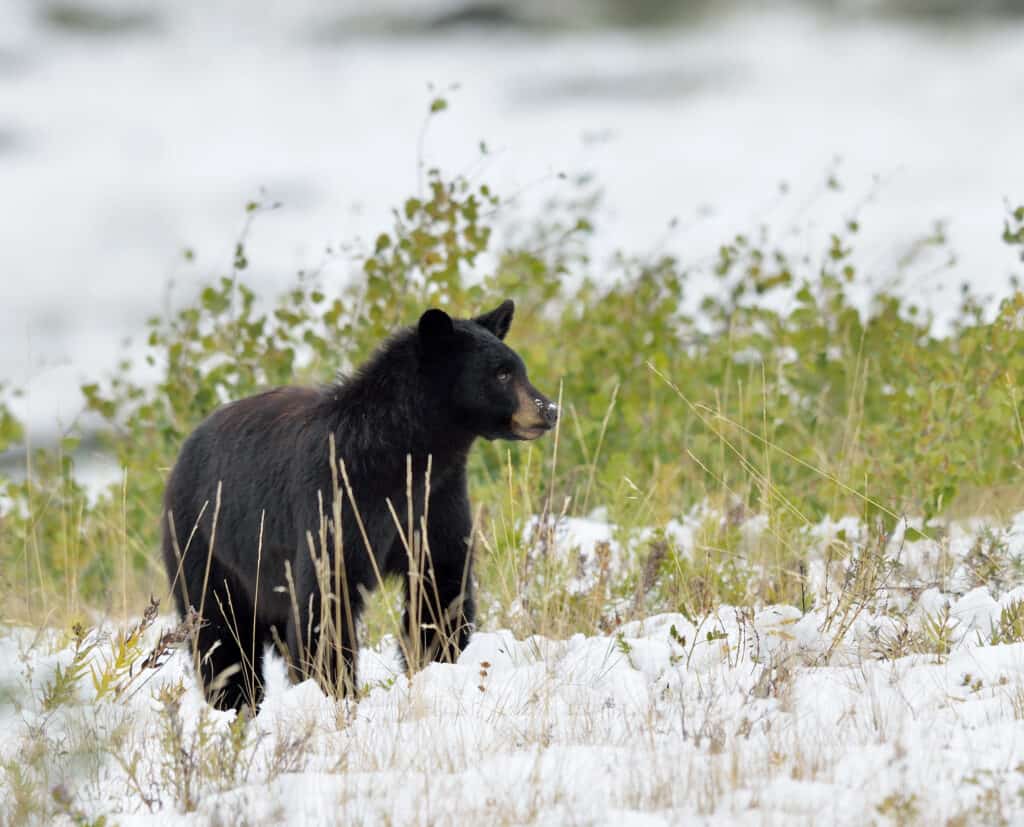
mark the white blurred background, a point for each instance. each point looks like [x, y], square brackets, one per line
[131, 130]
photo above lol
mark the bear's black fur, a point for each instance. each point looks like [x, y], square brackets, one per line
[249, 534]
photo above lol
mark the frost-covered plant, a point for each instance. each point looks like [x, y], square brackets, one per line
[989, 562]
[1010, 626]
[937, 633]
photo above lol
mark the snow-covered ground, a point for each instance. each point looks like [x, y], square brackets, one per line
[741, 717]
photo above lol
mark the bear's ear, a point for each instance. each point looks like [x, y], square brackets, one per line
[435, 328]
[499, 320]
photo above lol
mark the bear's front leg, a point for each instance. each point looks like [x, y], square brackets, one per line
[440, 608]
[322, 635]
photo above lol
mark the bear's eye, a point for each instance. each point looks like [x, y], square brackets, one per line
[503, 375]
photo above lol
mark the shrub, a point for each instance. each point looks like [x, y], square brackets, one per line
[818, 407]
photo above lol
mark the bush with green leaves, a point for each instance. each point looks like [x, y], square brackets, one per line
[820, 407]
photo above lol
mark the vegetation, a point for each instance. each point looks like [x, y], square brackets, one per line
[717, 415]
[780, 395]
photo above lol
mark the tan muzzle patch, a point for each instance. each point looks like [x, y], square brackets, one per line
[528, 421]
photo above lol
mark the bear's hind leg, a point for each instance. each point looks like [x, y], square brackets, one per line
[230, 643]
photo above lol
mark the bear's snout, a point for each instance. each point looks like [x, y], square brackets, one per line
[548, 411]
[536, 414]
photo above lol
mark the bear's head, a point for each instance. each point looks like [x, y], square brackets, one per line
[488, 391]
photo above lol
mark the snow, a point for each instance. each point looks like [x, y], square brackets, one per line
[740, 717]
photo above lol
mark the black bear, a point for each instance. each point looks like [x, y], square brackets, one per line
[272, 538]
